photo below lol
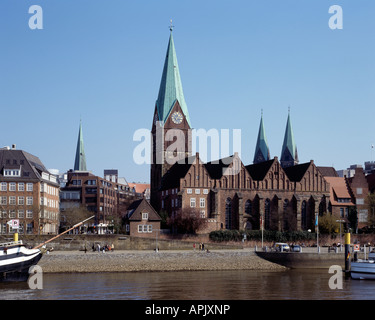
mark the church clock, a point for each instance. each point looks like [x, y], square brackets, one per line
[177, 117]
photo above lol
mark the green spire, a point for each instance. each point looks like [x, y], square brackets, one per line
[80, 161]
[262, 152]
[170, 86]
[289, 155]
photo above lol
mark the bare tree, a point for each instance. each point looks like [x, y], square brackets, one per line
[187, 220]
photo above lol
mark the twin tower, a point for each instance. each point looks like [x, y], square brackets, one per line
[171, 112]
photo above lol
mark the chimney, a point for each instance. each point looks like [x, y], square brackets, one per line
[13, 147]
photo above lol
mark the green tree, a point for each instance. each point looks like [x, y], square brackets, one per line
[328, 224]
[371, 209]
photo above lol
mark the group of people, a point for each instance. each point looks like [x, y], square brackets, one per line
[103, 249]
[201, 246]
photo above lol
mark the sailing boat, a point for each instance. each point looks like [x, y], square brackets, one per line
[16, 259]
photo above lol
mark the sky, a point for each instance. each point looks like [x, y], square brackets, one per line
[101, 62]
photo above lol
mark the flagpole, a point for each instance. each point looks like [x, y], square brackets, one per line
[317, 232]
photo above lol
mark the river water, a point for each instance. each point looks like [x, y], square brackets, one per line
[192, 285]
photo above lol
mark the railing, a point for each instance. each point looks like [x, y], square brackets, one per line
[10, 243]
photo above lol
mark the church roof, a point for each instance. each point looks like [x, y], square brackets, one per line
[296, 173]
[80, 160]
[215, 168]
[262, 152]
[179, 170]
[170, 86]
[259, 170]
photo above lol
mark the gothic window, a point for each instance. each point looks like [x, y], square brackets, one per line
[228, 214]
[248, 207]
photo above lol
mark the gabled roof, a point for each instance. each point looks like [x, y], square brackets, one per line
[259, 170]
[338, 189]
[136, 208]
[216, 168]
[179, 170]
[296, 173]
[30, 165]
[170, 86]
[328, 171]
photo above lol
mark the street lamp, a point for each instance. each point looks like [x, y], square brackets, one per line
[340, 221]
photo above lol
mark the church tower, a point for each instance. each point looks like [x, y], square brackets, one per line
[80, 160]
[262, 152]
[289, 155]
[171, 128]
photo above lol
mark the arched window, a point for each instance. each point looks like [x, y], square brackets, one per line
[267, 214]
[248, 207]
[228, 214]
[287, 215]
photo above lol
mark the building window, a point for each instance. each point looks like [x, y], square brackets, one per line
[3, 200]
[359, 190]
[144, 215]
[21, 201]
[21, 186]
[360, 201]
[342, 212]
[197, 191]
[12, 200]
[12, 214]
[21, 214]
[192, 202]
[205, 191]
[189, 191]
[149, 228]
[29, 201]
[228, 214]
[12, 186]
[29, 187]
[3, 186]
[202, 202]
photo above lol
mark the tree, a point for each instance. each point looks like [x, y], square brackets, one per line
[74, 215]
[328, 224]
[187, 220]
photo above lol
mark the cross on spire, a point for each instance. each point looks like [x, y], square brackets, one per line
[171, 26]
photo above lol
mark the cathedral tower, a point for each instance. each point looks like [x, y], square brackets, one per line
[80, 160]
[262, 152]
[171, 129]
[289, 155]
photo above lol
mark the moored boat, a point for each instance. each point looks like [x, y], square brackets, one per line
[363, 268]
[16, 259]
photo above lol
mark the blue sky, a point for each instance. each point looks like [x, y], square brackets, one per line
[102, 61]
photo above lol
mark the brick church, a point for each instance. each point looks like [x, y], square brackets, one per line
[280, 193]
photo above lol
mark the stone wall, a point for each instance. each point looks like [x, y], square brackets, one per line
[120, 242]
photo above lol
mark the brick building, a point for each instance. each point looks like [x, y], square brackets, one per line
[284, 195]
[28, 192]
[107, 198]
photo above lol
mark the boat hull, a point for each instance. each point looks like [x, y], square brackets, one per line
[362, 270]
[304, 260]
[16, 261]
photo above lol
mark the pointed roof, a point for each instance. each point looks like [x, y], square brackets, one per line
[262, 152]
[170, 86]
[80, 161]
[289, 149]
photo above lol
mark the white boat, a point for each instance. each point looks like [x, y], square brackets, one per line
[16, 259]
[363, 269]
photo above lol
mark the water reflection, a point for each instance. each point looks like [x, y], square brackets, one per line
[199, 285]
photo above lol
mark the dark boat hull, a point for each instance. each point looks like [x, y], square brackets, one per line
[302, 260]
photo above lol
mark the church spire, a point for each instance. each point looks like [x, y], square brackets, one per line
[80, 161]
[262, 152]
[170, 86]
[289, 155]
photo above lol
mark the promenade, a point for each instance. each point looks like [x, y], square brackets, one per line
[138, 261]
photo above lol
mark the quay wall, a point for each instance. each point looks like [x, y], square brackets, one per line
[120, 242]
